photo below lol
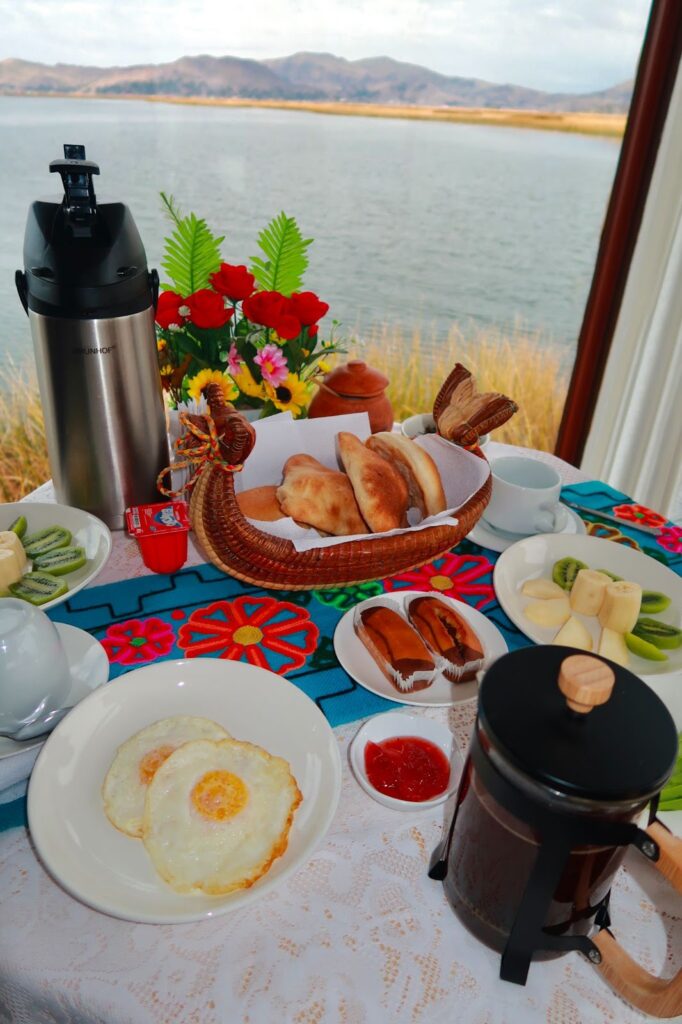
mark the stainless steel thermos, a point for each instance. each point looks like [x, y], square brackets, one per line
[90, 300]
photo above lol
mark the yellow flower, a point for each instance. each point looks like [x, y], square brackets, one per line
[166, 371]
[324, 366]
[245, 382]
[292, 395]
[196, 385]
[160, 344]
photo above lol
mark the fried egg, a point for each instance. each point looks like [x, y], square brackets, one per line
[137, 760]
[217, 814]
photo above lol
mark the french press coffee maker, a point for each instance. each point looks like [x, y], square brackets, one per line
[568, 752]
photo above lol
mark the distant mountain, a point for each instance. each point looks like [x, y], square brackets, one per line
[302, 76]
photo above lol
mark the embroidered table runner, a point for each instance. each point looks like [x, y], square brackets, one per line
[200, 611]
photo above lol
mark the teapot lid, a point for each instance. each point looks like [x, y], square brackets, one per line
[356, 379]
[623, 747]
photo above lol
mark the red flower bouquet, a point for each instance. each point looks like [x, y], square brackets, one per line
[250, 330]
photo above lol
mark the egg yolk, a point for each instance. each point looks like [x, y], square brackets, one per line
[152, 761]
[219, 795]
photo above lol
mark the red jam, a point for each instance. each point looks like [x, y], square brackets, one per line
[407, 768]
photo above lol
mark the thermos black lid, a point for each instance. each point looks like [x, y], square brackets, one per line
[83, 258]
[621, 750]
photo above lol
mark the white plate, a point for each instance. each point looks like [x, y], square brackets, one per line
[111, 871]
[498, 540]
[535, 556]
[361, 666]
[88, 532]
[397, 723]
[89, 668]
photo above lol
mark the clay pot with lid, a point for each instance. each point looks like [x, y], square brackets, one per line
[354, 387]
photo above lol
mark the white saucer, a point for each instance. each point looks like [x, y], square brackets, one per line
[499, 540]
[361, 666]
[89, 667]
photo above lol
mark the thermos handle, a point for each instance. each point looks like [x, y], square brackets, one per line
[660, 997]
[154, 285]
[20, 281]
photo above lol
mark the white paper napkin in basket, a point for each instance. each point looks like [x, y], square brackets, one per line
[462, 474]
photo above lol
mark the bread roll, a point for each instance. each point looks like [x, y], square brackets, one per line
[260, 503]
[417, 468]
[380, 490]
[321, 497]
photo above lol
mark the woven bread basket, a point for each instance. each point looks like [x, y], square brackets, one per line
[237, 547]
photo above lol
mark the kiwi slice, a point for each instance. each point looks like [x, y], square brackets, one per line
[616, 579]
[46, 540]
[643, 648]
[38, 587]
[653, 601]
[60, 561]
[660, 634]
[565, 571]
[18, 526]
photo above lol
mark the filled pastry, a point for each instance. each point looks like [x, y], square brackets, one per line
[380, 490]
[321, 497]
[457, 649]
[396, 647]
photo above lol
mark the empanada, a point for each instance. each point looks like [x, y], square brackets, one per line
[321, 497]
[417, 468]
[380, 490]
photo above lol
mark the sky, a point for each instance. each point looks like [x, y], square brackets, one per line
[555, 45]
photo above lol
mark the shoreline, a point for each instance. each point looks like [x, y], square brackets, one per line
[575, 122]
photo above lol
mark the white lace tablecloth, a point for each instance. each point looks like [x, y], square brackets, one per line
[359, 935]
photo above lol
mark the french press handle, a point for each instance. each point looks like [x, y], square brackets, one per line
[660, 997]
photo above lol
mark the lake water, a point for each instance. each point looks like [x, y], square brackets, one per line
[415, 223]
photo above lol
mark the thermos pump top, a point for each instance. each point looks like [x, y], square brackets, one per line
[90, 300]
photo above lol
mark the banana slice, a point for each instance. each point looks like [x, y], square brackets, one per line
[12, 559]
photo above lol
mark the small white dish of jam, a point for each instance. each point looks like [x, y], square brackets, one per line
[406, 762]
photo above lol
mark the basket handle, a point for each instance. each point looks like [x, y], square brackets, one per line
[657, 996]
[235, 434]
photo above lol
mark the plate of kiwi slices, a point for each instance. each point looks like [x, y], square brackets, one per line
[596, 595]
[48, 552]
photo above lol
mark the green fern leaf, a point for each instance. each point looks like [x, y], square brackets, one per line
[285, 260]
[192, 251]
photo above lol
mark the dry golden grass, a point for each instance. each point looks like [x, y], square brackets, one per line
[533, 373]
[520, 365]
[23, 452]
[582, 122]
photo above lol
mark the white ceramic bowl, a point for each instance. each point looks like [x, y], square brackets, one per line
[424, 423]
[397, 723]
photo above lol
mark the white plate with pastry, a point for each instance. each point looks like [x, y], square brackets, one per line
[429, 686]
[211, 813]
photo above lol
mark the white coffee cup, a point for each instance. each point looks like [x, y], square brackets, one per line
[34, 672]
[525, 497]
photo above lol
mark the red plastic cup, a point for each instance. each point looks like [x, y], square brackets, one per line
[161, 532]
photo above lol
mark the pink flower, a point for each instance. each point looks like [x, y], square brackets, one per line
[273, 365]
[671, 539]
[234, 361]
[137, 641]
